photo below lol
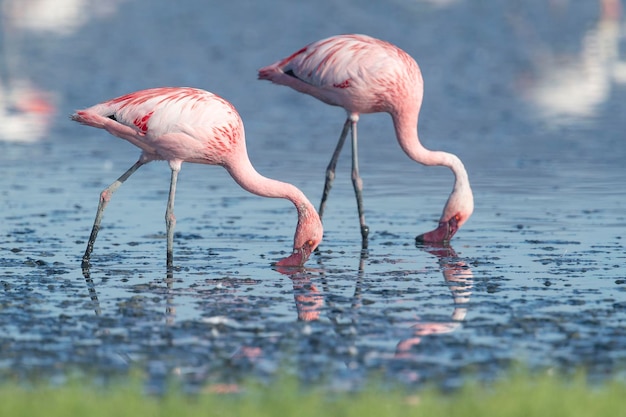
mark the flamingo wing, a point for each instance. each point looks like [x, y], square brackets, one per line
[170, 123]
[352, 71]
[330, 63]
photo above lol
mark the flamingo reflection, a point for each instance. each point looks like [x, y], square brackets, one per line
[459, 278]
[314, 299]
[309, 300]
[167, 290]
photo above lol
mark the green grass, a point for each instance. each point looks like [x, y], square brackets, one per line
[518, 395]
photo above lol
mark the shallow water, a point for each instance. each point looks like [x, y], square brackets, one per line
[527, 94]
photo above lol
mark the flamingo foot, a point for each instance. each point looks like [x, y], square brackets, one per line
[441, 234]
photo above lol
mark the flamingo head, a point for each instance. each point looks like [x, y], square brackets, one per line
[458, 209]
[446, 229]
[442, 234]
[308, 236]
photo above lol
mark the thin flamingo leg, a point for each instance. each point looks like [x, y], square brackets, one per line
[332, 165]
[170, 219]
[105, 197]
[357, 182]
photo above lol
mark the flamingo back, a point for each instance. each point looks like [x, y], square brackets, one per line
[171, 123]
[357, 72]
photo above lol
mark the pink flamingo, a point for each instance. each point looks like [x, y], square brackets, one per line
[367, 75]
[190, 125]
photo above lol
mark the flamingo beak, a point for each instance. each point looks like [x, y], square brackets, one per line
[442, 234]
[296, 259]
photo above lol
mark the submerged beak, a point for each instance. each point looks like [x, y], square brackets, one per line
[441, 234]
[296, 259]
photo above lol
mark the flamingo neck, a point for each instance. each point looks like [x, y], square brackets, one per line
[406, 132]
[460, 203]
[244, 174]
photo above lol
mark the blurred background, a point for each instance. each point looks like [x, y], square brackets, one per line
[538, 61]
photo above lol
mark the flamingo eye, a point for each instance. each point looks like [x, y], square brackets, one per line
[310, 243]
[457, 217]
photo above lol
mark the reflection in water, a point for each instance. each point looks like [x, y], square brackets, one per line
[459, 278]
[456, 274]
[309, 301]
[571, 90]
[93, 293]
[348, 321]
[170, 309]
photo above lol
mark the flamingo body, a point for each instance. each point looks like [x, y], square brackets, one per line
[356, 72]
[367, 75]
[191, 125]
[172, 124]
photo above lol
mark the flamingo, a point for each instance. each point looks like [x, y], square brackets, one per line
[191, 125]
[367, 75]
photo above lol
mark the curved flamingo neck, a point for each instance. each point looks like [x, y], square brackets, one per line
[244, 173]
[460, 204]
[309, 230]
[405, 125]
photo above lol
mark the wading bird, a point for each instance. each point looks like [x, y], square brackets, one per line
[367, 75]
[190, 125]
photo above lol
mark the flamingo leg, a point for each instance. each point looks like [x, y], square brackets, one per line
[105, 197]
[170, 219]
[332, 165]
[358, 186]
